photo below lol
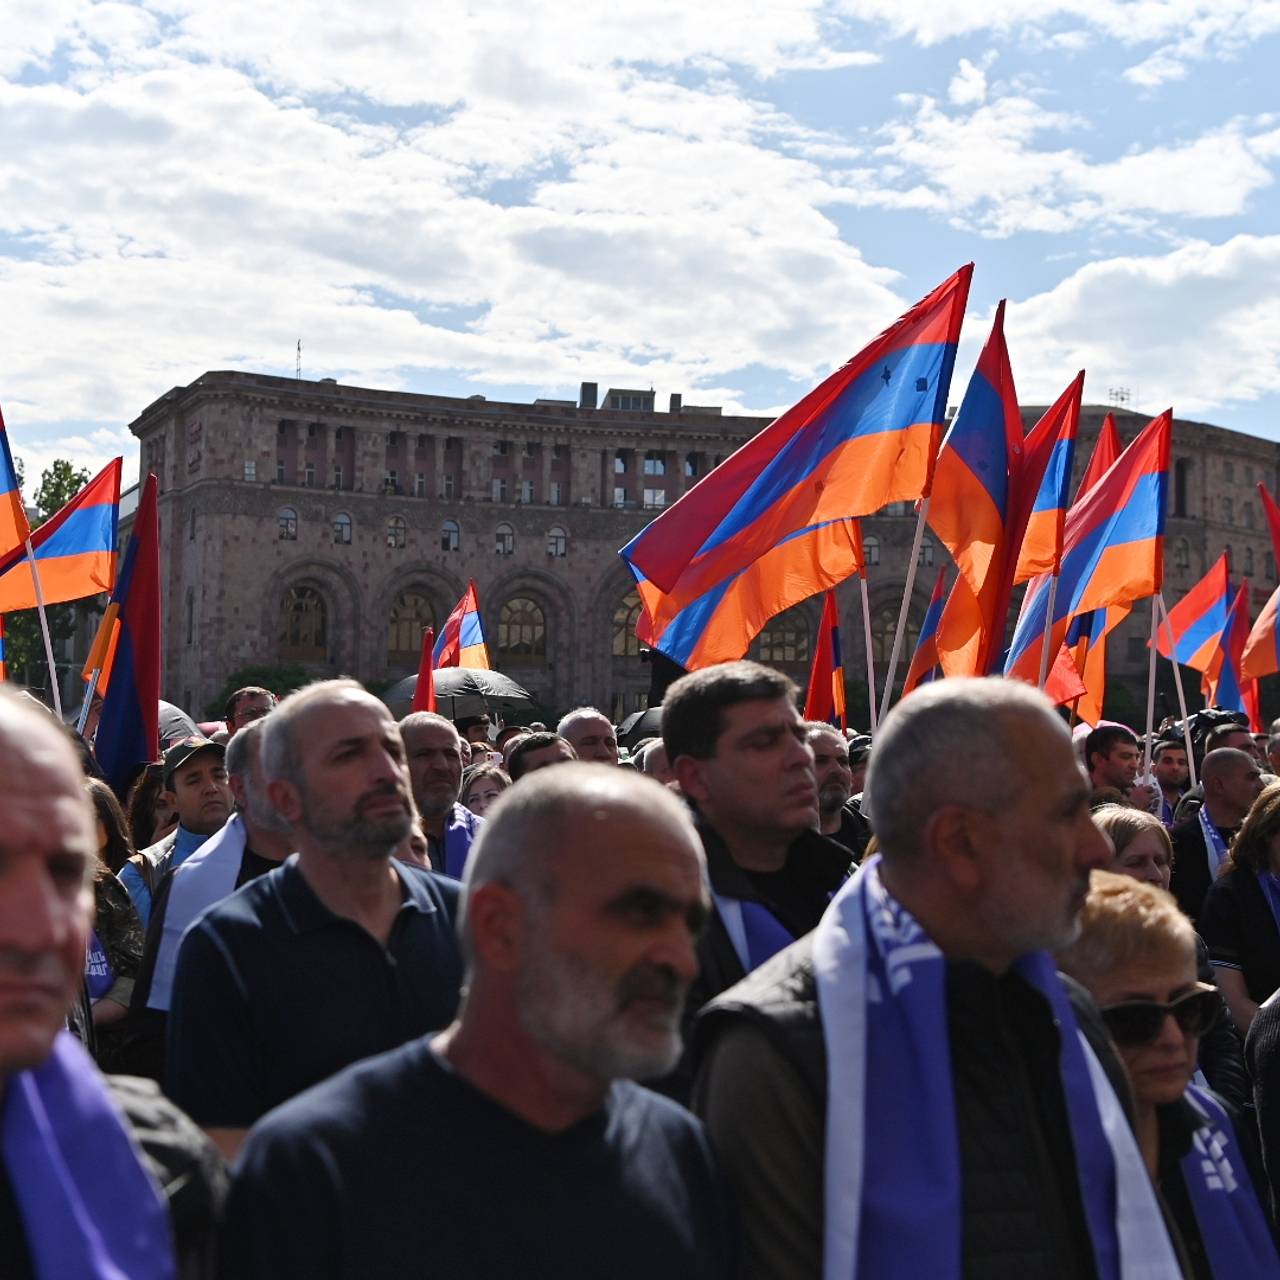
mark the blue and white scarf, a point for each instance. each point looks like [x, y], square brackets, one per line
[1215, 846]
[461, 830]
[1231, 1221]
[893, 1191]
[90, 1209]
[756, 933]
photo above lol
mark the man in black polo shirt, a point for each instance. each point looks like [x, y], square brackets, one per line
[515, 1144]
[740, 752]
[834, 774]
[340, 953]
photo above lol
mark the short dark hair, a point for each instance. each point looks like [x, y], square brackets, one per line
[1220, 733]
[526, 746]
[249, 691]
[1167, 745]
[692, 719]
[1101, 741]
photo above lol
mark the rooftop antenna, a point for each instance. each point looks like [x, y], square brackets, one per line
[297, 368]
[1119, 396]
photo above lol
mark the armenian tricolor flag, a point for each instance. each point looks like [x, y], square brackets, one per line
[1113, 548]
[865, 437]
[129, 728]
[1199, 619]
[825, 700]
[14, 527]
[1225, 685]
[970, 505]
[4, 661]
[461, 641]
[924, 662]
[75, 549]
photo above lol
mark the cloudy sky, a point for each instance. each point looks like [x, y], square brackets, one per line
[722, 199]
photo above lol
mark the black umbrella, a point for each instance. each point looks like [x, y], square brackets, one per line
[462, 691]
[640, 724]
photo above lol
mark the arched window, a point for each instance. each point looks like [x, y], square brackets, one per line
[411, 612]
[871, 548]
[304, 625]
[557, 541]
[883, 625]
[626, 644]
[342, 529]
[1182, 554]
[397, 531]
[785, 639]
[1248, 561]
[522, 631]
[925, 557]
[287, 524]
[504, 540]
[450, 536]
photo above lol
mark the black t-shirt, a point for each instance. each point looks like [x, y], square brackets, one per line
[253, 865]
[15, 1256]
[398, 1167]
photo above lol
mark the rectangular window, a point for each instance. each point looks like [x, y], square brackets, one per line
[498, 489]
[619, 496]
[655, 498]
[557, 498]
[502, 447]
[655, 464]
[337, 477]
[619, 464]
[309, 475]
[391, 482]
[692, 466]
[558, 451]
[526, 490]
[420, 485]
[279, 471]
[250, 469]
[446, 486]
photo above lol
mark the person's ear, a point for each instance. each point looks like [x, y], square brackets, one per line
[691, 774]
[496, 924]
[285, 799]
[957, 841]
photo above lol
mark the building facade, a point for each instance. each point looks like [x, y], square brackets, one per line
[324, 526]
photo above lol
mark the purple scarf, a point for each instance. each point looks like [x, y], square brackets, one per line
[1232, 1224]
[90, 1209]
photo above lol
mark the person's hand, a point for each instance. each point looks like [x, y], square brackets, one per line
[1142, 795]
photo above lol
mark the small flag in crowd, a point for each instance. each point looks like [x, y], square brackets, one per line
[461, 642]
[825, 701]
[924, 662]
[14, 527]
[424, 692]
[1261, 655]
[1224, 683]
[1199, 619]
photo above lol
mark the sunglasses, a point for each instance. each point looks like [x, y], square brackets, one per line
[1138, 1022]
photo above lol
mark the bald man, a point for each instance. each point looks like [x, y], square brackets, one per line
[1232, 781]
[515, 1144]
[338, 955]
[87, 1166]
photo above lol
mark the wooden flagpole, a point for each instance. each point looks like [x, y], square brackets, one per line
[1177, 680]
[44, 628]
[896, 652]
[871, 660]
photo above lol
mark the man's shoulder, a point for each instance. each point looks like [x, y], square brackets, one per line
[156, 853]
[254, 905]
[1187, 829]
[422, 881]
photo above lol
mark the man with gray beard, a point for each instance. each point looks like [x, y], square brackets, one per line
[340, 953]
[515, 1143]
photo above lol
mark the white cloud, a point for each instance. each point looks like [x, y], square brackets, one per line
[1198, 328]
[969, 84]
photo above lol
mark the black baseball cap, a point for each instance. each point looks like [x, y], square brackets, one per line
[183, 750]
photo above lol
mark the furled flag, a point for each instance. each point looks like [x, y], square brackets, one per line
[14, 527]
[720, 625]
[971, 495]
[1273, 522]
[924, 662]
[1113, 548]
[1199, 619]
[865, 437]
[1087, 634]
[129, 728]
[1262, 650]
[4, 661]
[424, 692]
[461, 641]
[1223, 682]
[825, 700]
[75, 549]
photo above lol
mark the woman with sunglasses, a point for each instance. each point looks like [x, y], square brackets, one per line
[1136, 955]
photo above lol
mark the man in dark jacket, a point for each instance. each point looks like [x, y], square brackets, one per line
[97, 1177]
[921, 1044]
[740, 752]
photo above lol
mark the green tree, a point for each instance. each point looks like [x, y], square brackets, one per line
[24, 646]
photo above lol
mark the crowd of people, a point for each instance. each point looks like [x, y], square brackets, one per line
[332, 995]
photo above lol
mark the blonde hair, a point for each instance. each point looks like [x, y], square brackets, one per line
[1123, 824]
[1123, 921]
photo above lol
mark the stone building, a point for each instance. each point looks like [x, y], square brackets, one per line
[323, 525]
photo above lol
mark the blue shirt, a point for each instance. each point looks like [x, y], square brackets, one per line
[273, 992]
[184, 846]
